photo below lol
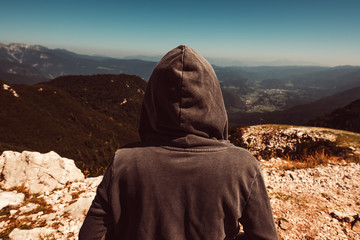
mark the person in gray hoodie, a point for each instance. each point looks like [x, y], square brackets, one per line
[184, 180]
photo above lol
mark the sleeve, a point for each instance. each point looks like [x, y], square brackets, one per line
[257, 218]
[98, 224]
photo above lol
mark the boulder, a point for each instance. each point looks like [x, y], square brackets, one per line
[39, 173]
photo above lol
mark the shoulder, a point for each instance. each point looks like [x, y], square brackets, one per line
[241, 154]
[132, 149]
[241, 161]
[133, 153]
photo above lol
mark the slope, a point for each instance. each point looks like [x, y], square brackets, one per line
[346, 118]
[17, 73]
[45, 118]
[117, 96]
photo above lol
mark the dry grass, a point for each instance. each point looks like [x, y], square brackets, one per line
[66, 214]
[47, 237]
[309, 161]
[289, 197]
[26, 222]
[76, 195]
[43, 205]
[314, 160]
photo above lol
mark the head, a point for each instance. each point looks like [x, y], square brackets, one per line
[183, 100]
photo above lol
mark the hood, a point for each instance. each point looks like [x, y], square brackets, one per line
[183, 103]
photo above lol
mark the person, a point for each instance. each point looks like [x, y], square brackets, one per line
[184, 180]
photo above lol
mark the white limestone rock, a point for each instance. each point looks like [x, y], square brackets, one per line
[10, 198]
[31, 234]
[93, 182]
[356, 226]
[79, 208]
[29, 207]
[38, 172]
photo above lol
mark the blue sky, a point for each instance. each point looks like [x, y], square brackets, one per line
[316, 31]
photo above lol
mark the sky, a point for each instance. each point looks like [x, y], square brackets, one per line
[303, 32]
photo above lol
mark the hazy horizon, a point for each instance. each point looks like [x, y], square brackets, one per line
[280, 32]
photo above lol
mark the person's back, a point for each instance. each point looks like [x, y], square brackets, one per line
[184, 180]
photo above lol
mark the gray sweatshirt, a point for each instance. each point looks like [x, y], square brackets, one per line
[184, 180]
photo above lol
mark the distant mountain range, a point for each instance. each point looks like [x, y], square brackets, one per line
[48, 63]
[252, 95]
[84, 118]
[224, 62]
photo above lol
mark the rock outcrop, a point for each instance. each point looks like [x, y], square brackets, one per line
[37, 172]
[42, 196]
[267, 141]
[258, 139]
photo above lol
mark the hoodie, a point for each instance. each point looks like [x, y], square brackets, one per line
[184, 180]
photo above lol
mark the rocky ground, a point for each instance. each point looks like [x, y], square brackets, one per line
[320, 202]
[52, 215]
[313, 203]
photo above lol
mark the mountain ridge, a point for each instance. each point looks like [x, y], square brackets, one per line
[58, 62]
[120, 100]
[43, 117]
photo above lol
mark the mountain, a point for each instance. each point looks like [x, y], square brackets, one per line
[264, 72]
[345, 118]
[300, 114]
[144, 58]
[52, 63]
[117, 96]
[333, 80]
[44, 117]
[19, 73]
